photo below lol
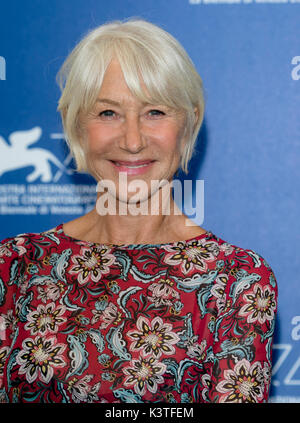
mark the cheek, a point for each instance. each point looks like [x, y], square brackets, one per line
[96, 138]
[171, 140]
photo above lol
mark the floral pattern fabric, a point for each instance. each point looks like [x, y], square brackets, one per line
[183, 322]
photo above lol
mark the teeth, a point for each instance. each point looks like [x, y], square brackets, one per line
[132, 167]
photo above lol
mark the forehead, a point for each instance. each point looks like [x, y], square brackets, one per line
[114, 83]
[113, 70]
[115, 89]
[114, 77]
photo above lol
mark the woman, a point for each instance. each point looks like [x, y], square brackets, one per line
[124, 307]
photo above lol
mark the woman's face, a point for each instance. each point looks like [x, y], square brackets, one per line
[124, 135]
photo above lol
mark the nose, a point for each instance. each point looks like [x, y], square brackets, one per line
[132, 139]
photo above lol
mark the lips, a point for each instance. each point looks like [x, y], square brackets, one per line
[136, 167]
[132, 163]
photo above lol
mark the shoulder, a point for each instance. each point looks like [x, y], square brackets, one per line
[17, 246]
[23, 256]
[244, 265]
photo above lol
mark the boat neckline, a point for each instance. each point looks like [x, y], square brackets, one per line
[60, 230]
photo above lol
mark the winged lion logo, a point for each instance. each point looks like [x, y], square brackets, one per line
[16, 155]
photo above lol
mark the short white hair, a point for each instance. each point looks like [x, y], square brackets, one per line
[143, 50]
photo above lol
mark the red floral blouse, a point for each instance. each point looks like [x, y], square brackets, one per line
[184, 322]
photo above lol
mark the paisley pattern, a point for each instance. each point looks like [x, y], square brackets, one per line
[183, 322]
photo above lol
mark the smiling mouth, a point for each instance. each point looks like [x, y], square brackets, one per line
[132, 165]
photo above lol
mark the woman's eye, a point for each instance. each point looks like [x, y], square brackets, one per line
[156, 112]
[107, 113]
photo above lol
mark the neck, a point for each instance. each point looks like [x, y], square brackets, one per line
[136, 222]
[159, 221]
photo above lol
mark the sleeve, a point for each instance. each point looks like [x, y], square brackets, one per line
[8, 285]
[241, 369]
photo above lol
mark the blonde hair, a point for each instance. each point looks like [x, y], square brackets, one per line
[143, 50]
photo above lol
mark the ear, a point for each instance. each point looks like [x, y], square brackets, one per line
[196, 112]
[183, 143]
[64, 112]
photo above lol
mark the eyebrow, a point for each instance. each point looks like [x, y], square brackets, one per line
[107, 100]
[114, 103]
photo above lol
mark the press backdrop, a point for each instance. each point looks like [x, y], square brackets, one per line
[248, 54]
